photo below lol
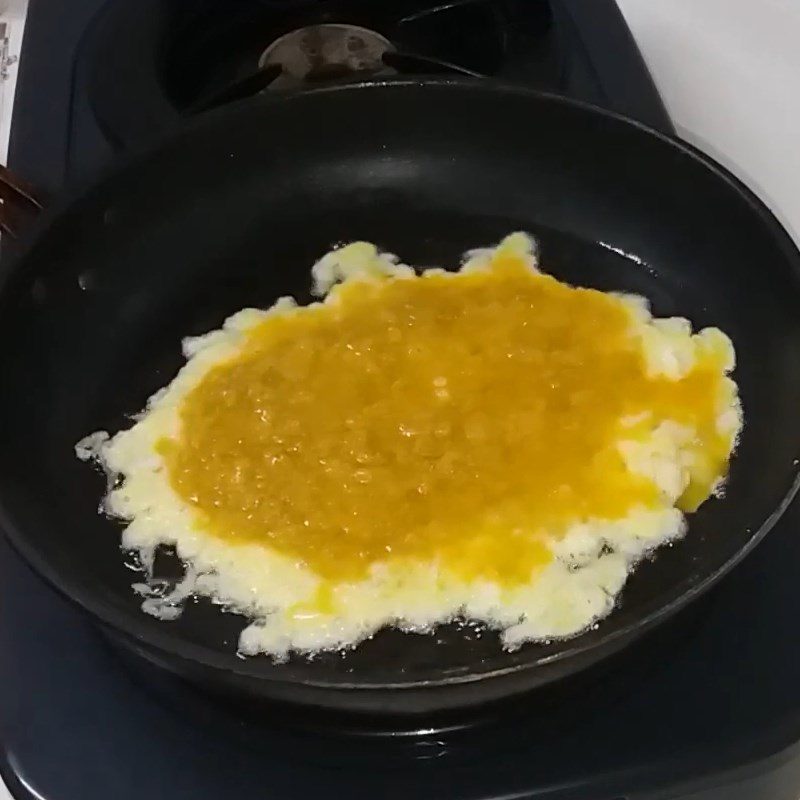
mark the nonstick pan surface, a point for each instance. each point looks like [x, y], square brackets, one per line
[233, 211]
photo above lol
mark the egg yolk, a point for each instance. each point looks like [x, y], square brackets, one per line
[454, 418]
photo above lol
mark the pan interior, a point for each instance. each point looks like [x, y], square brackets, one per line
[234, 211]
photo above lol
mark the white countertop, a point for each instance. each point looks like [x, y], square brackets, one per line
[729, 73]
[12, 13]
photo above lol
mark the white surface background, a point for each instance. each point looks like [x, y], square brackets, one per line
[12, 12]
[729, 73]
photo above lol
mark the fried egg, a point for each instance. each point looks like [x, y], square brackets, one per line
[490, 444]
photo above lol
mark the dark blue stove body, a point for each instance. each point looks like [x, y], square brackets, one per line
[707, 709]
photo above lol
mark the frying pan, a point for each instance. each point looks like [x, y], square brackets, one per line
[231, 212]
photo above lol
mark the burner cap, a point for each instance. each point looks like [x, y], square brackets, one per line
[325, 52]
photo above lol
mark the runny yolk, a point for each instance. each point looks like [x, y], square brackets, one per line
[445, 417]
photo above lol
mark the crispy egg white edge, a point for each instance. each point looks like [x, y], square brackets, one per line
[580, 586]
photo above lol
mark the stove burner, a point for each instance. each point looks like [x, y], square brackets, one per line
[150, 64]
[325, 52]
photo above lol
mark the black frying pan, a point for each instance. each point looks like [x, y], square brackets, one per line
[233, 210]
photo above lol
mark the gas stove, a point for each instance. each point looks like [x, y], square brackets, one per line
[706, 708]
[121, 73]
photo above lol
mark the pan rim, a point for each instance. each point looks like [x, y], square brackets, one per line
[140, 628]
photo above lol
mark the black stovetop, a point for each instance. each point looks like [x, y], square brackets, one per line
[710, 704]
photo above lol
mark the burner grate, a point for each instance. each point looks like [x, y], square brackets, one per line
[210, 57]
[180, 57]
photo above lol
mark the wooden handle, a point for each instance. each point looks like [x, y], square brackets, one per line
[19, 203]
